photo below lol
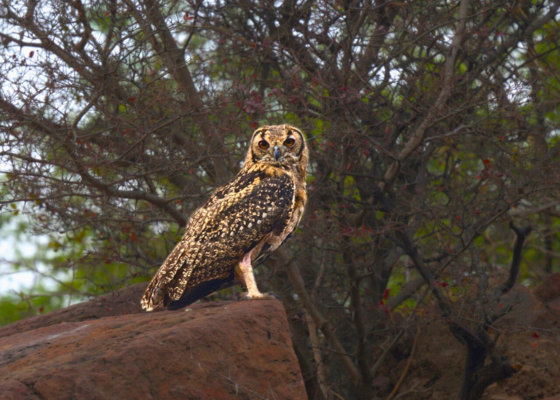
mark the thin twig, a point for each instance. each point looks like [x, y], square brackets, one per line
[403, 375]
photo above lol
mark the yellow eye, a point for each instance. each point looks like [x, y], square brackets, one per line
[263, 144]
[289, 142]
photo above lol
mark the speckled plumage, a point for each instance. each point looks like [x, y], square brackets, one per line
[241, 223]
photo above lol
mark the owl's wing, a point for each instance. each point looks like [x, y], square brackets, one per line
[231, 223]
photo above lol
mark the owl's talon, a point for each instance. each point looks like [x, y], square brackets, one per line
[259, 296]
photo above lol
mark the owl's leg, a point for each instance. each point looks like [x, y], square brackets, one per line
[244, 274]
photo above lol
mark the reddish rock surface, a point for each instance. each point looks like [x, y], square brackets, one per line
[222, 350]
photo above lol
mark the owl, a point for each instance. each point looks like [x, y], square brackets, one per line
[240, 224]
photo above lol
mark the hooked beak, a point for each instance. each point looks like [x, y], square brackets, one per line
[277, 153]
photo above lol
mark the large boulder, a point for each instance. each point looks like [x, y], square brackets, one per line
[122, 302]
[217, 350]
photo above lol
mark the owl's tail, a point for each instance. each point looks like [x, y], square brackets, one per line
[153, 295]
[198, 292]
[166, 274]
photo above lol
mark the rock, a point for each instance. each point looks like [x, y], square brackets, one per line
[549, 293]
[554, 306]
[529, 337]
[524, 308]
[549, 289]
[218, 350]
[122, 302]
[505, 397]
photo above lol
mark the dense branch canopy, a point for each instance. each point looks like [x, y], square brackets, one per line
[431, 124]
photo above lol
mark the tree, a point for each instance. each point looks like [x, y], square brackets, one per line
[431, 124]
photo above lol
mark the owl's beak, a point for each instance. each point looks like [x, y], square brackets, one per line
[277, 153]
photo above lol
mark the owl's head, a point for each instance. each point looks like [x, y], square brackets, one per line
[279, 145]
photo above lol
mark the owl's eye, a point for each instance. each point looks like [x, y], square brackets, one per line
[289, 142]
[263, 144]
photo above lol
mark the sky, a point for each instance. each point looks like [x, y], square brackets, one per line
[10, 244]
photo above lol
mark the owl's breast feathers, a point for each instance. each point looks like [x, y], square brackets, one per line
[260, 207]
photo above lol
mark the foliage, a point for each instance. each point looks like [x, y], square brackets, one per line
[431, 124]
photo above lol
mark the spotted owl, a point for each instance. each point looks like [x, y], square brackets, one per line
[240, 224]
